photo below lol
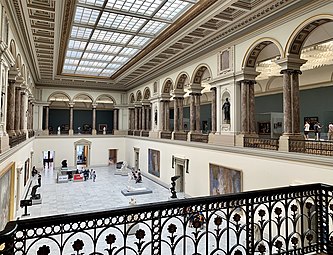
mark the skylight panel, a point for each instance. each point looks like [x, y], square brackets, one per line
[139, 41]
[69, 69]
[70, 61]
[86, 15]
[153, 27]
[74, 54]
[121, 22]
[107, 72]
[93, 64]
[172, 9]
[112, 37]
[80, 32]
[106, 48]
[92, 2]
[96, 56]
[129, 51]
[76, 45]
[120, 59]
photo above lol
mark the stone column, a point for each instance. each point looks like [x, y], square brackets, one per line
[295, 102]
[29, 115]
[71, 116]
[40, 118]
[143, 117]
[218, 110]
[244, 108]
[162, 114]
[167, 116]
[147, 117]
[192, 113]
[47, 108]
[22, 112]
[133, 118]
[251, 111]
[213, 109]
[32, 116]
[136, 114]
[11, 108]
[115, 119]
[140, 118]
[93, 131]
[129, 119]
[17, 122]
[197, 111]
[287, 102]
[181, 113]
[175, 114]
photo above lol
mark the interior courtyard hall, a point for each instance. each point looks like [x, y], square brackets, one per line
[166, 127]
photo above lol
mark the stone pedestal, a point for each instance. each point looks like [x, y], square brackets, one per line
[154, 134]
[71, 132]
[93, 132]
[226, 139]
[4, 143]
[284, 141]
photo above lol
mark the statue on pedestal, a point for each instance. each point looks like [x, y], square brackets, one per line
[58, 130]
[104, 130]
[173, 186]
[226, 109]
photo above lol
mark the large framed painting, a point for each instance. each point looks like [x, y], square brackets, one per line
[224, 180]
[26, 171]
[7, 176]
[154, 162]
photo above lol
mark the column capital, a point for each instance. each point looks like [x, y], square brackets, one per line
[94, 106]
[291, 63]
[13, 74]
[71, 105]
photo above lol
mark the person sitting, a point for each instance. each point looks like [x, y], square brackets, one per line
[139, 177]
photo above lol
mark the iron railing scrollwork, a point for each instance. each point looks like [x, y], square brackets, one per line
[290, 220]
[201, 138]
[166, 135]
[261, 143]
[324, 148]
[145, 133]
[181, 136]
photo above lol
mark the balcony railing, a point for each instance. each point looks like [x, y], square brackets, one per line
[130, 132]
[166, 134]
[181, 136]
[261, 143]
[15, 140]
[145, 133]
[312, 147]
[291, 220]
[202, 138]
[137, 132]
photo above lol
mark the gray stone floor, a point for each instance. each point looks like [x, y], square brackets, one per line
[105, 193]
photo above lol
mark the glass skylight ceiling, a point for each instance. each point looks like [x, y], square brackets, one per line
[106, 34]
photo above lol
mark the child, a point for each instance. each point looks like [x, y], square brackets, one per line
[94, 176]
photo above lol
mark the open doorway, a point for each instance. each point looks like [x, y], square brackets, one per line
[112, 156]
[137, 158]
[48, 160]
[180, 181]
[82, 155]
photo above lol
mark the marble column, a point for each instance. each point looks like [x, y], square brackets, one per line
[129, 119]
[115, 119]
[93, 131]
[147, 117]
[17, 122]
[136, 115]
[197, 112]
[29, 115]
[218, 110]
[192, 113]
[47, 108]
[71, 116]
[251, 111]
[181, 114]
[162, 116]
[244, 107]
[213, 109]
[133, 119]
[295, 102]
[143, 117]
[287, 101]
[32, 115]
[10, 126]
[175, 114]
[40, 118]
[167, 116]
[140, 118]
[22, 112]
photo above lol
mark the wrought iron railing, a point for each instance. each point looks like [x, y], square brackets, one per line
[261, 143]
[181, 136]
[31, 133]
[130, 132]
[166, 134]
[291, 220]
[311, 147]
[17, 139]
[202, 138]
[137, 132]
[145, 133]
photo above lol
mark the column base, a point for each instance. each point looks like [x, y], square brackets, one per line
[11, 133]
[4, 143]
[154, 134]
[284, 140]
[71, 132]
[239, 139]
[93, 132]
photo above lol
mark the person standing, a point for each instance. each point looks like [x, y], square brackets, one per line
[330, 131]
[94, 176]
[317, 130]
[306, 130]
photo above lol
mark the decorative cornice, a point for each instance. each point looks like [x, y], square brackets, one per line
[66, 28]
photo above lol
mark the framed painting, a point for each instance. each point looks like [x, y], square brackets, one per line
[154, 162]
[7, 176]
[26, 171]
[224, 180]
[264, 128]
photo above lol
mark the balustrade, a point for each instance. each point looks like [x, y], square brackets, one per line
[261, 143]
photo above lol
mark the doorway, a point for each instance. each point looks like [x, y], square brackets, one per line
[180, 181]
[48, 160]
[112, 156]
[82, 156]
[137, 158]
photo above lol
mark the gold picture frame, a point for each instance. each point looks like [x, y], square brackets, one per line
[7, 182]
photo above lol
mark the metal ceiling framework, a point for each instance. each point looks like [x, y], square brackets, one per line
[95, 28]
